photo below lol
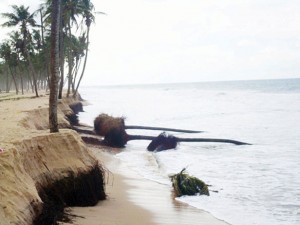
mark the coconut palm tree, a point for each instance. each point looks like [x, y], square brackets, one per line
[9, 57]
[70, 9]
[16, 44]
[54, 65]
[88, 9]
[21, 17]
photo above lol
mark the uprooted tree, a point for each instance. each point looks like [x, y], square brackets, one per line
[114, 131]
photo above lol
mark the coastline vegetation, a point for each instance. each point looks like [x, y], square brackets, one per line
[25, 53]
[41, 45]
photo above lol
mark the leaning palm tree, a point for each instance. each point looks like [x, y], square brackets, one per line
[88, 9]
[70, 9]
[21, 16]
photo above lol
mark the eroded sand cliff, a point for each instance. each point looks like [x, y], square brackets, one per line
[34, 160]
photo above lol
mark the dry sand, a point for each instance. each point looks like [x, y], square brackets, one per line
[131, 199]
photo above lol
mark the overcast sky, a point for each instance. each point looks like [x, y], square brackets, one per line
[155, 41]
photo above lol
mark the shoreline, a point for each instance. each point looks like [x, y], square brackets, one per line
[154, 202]
[30, 153]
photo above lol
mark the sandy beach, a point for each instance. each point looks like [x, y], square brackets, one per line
[135, 200]
[131, 198]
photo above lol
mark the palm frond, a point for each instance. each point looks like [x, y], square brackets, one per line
[184, 184]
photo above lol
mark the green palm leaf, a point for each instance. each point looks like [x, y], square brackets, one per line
[184, 184]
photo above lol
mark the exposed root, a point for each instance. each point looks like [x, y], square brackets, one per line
[104, 123]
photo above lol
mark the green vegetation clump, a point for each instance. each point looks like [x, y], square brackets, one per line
[184, 184]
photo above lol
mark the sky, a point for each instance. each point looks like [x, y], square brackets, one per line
[167, 41]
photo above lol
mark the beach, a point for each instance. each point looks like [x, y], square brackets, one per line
[135, 200]
[30, 154]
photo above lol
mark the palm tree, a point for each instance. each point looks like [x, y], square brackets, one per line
[88, 16]
[21, 16]
[70, 9]
[54, 65]
[10, 59]
[16, 44]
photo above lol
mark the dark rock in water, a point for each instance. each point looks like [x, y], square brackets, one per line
[162, 142]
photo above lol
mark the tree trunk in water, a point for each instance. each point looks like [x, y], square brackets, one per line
[54, 63]
[144, 137]
[85, 60]
[161, 128]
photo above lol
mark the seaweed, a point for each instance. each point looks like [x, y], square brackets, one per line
[184, 184]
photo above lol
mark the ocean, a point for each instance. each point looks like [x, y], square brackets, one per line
[257, 184]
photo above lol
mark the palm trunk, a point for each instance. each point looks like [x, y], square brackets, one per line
[14, 79]
[46, 57]
[145, 137]
[161, 128]
[54, 63]
[85, 60]
[7, 81]
[62, 58]
[70, 59]
[30, 80]
[32, 70]
[22, 84]
[21, 75]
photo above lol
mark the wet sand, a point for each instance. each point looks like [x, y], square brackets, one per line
[135, 200]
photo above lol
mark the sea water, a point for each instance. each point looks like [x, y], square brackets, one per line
[257, 184]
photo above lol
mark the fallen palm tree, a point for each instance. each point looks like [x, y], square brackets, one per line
[119, 138]
[105, 123]
[165, 141]
[161, 128]
[115, 135]
[184, 184]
